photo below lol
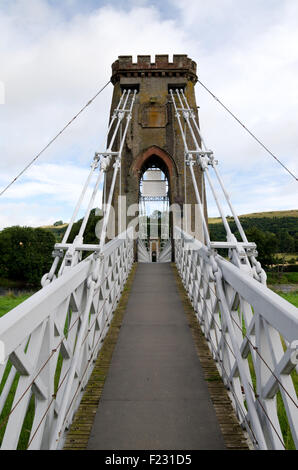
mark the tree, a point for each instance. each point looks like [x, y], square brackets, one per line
[89, 233]
[267, 244]
[285, 228]
[296, 242]
[286, 242]
[25, 253]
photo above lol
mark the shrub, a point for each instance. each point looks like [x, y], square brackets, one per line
[25, 253]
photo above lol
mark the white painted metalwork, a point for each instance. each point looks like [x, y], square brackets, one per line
[162, 256]
[252, 334]
[64, 325]
[251, 331]
[143, 253]
[50, 342]
[101, 161]
[242, 254]
[165, 255]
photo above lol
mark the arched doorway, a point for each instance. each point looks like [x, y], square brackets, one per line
[155, 172]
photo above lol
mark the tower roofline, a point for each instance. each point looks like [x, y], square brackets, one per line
[182, 65]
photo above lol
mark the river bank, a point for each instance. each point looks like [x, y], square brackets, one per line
[17, 288]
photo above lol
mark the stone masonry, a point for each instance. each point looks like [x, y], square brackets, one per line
[154, 136]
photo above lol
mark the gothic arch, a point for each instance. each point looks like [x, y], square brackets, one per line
[162, 159]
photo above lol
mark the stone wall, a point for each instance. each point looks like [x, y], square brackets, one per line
[154, 134]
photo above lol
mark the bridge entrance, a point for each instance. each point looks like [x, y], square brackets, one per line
[154, 223]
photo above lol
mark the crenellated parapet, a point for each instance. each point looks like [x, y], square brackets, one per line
[182, 66]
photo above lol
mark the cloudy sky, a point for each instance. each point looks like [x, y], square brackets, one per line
[56, 54]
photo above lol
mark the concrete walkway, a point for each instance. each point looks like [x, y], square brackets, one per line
[155, 396]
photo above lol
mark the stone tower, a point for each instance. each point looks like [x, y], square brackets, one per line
[154, 136]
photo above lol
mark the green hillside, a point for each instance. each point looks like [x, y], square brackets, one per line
[57, 230]
[273, 232]
[280, 226]
[260, 215]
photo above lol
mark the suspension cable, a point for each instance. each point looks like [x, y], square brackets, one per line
[53, 139]
[247, 130]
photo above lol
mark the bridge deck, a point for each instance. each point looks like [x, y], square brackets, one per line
[155, 396]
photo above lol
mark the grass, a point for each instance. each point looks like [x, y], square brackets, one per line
[258, 215]
[285, 278]
[54, 226]
[282, 278]
[291, 297]
[289, 213]
[10, 301]
[287, 257]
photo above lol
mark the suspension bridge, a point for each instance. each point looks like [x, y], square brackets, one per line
[156, 395]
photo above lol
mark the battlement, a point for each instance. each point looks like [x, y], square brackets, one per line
[181, 65]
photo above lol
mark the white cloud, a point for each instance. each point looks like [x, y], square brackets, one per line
[27, 214]
[57, 181]
[52, 67]
[48, 192]
[52, 63]
[256, 78]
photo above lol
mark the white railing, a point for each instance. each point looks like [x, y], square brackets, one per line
[143, 253]
[165, 255]
[51, 342]
[253, 336]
